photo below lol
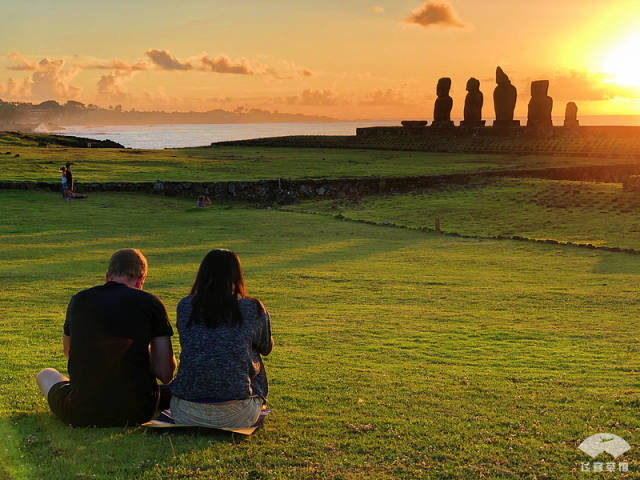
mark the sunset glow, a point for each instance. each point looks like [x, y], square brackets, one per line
[623, 63]
[345, 60]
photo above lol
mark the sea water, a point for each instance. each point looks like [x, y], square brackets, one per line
[195, 135]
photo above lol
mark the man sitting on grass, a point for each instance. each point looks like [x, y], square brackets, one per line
[116, 337]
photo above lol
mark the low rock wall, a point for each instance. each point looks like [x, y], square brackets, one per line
[289, 191]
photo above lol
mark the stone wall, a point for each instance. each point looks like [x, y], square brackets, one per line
[592, 131]
[290, 191]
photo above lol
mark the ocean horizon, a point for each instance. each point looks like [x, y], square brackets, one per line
[196, 135]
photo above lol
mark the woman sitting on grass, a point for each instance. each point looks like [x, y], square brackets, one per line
[221, 381]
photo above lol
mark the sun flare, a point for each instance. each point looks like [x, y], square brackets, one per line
[622, 63]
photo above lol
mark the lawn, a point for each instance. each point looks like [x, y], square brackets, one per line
[399, 353]
[599, 141]
[581, 212]
[223, 163]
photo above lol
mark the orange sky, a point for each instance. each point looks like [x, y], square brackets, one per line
[348, 59]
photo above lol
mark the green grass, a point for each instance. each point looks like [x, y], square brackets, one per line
[601, 141]
[579, 212]
[399, 354]
[256, 163]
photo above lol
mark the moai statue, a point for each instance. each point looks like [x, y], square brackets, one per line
[473, 105]
[444, 104]
[504, 101]
[540, 105]
[571, 116]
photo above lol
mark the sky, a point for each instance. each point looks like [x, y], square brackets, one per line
[349, 59]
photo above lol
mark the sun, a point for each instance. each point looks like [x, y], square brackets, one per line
[622, 62]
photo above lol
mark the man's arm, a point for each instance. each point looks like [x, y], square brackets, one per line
[66, 344]
[163, 362]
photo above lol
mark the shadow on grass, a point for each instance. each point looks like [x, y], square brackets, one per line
[51, 449]
[617, 264]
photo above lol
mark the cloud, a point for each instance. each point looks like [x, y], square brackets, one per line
[112, 86]
[585, 86]
[164, 60]
[219, 64]
[53, 81]
[328, 97]
[377, 9]
[13, 89]
[50, 79]
[21, 63]
[223, 64]
[434, 12]
[309, 97]
[284, 70]
[114, 64]
[384, 97]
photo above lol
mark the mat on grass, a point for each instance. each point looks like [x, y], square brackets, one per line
[165, 420]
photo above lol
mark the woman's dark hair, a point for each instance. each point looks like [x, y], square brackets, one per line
[218, 286]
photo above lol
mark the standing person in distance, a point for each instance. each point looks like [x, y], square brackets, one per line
[69, 176]
[64, 183]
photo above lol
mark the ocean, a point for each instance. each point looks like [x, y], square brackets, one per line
[194, 135]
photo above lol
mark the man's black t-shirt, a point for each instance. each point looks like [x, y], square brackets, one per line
[110, 328]
[69, 176]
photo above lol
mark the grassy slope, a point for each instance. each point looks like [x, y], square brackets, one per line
[253, 163]
[398, 354]
[597, 213]
[592, 140]
[34, 139]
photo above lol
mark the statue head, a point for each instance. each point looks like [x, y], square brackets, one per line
[571, 110]
[473, 85]
[501, 77]
[539, 88]
[444, 85]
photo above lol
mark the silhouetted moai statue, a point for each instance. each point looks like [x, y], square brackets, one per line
[571, 115]
[504, 101]
[473, 105]
[540, 105]
[444, 104]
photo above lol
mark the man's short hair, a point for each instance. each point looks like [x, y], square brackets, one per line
[128, 261]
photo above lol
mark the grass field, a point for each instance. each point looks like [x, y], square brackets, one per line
[567, 211]
[601, 141]
[257, 163]
[399, 354]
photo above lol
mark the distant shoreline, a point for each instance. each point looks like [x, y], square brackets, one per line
[180, 135]
[591, 120]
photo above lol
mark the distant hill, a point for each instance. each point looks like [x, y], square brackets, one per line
[42, 140]
[51, 115]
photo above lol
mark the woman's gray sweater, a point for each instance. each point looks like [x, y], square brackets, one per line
[223, 363]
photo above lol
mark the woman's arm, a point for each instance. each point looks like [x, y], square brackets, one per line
[264, 342]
